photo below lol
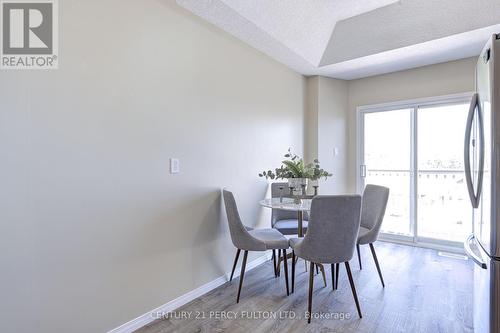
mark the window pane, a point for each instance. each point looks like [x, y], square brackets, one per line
[387, 152]
[444, 211]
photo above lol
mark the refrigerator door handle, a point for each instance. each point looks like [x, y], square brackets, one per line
[468, 244]
[481, 151]
[474, 197]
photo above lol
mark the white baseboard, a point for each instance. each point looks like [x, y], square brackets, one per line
[174, 304]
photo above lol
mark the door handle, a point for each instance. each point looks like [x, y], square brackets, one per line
[481, 151]
[469, 242]
[474, 197]
[362, 170]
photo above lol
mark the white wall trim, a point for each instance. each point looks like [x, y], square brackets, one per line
[416, 102]
[174, 304]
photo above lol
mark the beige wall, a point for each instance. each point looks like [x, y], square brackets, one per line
[94, 231]
[436, 80]
[332, 133]
[311, 119]
[326, 129]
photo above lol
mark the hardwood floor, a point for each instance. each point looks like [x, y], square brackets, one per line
[424, 292]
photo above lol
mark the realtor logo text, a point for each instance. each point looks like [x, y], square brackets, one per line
[29, 34]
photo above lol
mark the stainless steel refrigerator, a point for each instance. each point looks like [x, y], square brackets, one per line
[482, 169]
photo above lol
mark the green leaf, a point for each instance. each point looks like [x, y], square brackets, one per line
[293, 168]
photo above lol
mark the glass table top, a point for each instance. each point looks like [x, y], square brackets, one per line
[286, 204]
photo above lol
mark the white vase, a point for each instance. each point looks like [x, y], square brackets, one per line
[296, 184]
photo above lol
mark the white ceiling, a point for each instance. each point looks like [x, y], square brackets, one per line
[349, 39]
[303, 26]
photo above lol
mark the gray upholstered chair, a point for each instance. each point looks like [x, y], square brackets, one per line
[333, 231]
[285, 221]
[374, 202]
[251, 240]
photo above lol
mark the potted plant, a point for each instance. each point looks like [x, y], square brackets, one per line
[297, 172]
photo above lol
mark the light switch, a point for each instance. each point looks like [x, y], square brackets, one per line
[174, 165]
[335, 151]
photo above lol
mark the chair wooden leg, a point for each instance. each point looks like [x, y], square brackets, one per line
[278, 264]
[285, 266]
[332, 266]
[274, 264]
[311, 282]
[376, 264]
[235, 262]
[322, 269]
[242, 274]
[353, 288]
[337, 269]
[293, 270]
[359, 256]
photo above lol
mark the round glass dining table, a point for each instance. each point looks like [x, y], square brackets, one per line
[289, 204]
[300, 208]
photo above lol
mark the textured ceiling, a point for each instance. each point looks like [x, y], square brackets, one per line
[436, 51]
[303, 26]
[349, 39]
[408, 23]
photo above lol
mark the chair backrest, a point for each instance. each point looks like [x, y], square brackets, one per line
[281, 214]
[239, 234]
[374, 203]
[333, 228]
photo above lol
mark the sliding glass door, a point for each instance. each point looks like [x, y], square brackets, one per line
[416, 150]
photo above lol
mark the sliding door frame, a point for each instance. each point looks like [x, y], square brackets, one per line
[413, 105]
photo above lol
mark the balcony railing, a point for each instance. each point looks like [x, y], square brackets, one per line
[442, 205]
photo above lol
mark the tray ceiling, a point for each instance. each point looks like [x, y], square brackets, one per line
[350, 39]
